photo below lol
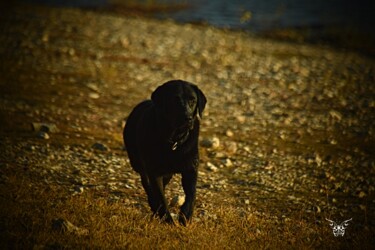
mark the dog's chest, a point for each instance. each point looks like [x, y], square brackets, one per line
[174, 162]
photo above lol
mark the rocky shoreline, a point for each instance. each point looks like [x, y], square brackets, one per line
[289, 129]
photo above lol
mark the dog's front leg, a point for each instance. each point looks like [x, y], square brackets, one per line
[189, 182]
[157, 186]
[153, 201]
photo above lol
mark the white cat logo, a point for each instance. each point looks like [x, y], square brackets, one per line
[339, 229]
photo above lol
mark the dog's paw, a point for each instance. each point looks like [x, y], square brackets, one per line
[183, 220]
[168, 218]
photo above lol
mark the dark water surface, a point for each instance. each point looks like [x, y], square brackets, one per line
[281, 13]
[258, 14]
[346, 19]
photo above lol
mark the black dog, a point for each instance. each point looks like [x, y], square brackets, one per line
[161, 137]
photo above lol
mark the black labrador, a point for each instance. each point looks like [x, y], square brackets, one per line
[161, 138]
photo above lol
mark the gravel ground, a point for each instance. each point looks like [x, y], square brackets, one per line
[289, 129]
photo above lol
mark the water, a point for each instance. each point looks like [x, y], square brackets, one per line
[261, 15]
[276, 14]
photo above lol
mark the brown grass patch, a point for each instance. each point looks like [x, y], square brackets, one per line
[29, 208]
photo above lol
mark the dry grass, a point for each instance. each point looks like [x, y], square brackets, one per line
[30, 207]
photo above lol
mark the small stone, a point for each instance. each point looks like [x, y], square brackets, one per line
[93, 87]
[94, 95]
[361, 194]
[229, 133]
[318, 159]
[247, 202]
[206, 143]
[227, 162]
[177, 200]
[78, 190]
[291, 197]
[333, 142]
[335, 115]
[211, 167]
[45, 38]
[100, 146]
[43, 135]
[215, 142]
[210, 143]
[125, 42]
[231, 147]
[283, 136]
[174, 216]
[241, 119]
[71, 52]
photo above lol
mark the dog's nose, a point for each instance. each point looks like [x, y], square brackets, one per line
[189, 120]
[186, 120]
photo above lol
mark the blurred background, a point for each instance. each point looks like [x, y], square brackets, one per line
[341, 23]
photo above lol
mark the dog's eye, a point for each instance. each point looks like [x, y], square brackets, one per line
[191, 102]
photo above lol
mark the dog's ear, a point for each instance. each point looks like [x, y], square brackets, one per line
[201, 102]
[158, 96]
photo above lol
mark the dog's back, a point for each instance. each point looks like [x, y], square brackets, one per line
[130, 133]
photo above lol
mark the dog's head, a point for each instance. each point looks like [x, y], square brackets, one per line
[179, 103]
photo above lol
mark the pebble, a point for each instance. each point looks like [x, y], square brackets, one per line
[211, 167]
[361, 194]
[227, 162]
[78, 190]
[94, 95]
[231, 147]
[333, 141]
[99, 146]
[241, 119]
[318, 159]
[213, 143]
[335, 115]
[43, 135]
[177, 201]
[93, 86]
[229, 133]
